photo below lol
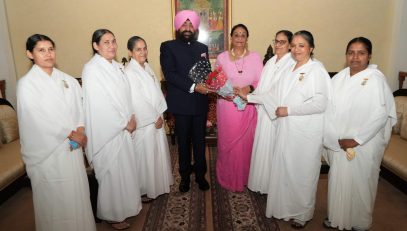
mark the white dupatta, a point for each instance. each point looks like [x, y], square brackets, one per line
[106, 101]
[369, 83]
[271, 72]
[49, 108]
[265, 94]
[148, 100]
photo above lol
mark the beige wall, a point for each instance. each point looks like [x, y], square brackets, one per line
[7, 68]
[72, 28]
[332, 22]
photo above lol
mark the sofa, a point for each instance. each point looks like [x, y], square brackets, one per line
[11, 164]
[395, 156]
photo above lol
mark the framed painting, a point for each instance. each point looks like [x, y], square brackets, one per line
[215, 22]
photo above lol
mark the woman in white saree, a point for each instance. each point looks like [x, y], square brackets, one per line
[264, 97]
[358, 128]
[302, 95]
[150, 141]
[110, 123]
[51, 123]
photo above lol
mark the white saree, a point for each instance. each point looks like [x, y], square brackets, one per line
[49, 108]
[110, 150]
[363, 110]
[296, 157]
[150, 144]
[265, 99]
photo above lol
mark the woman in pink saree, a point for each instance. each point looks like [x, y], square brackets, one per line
[236, 128]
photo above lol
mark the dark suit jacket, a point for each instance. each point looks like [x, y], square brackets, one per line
[177, 58]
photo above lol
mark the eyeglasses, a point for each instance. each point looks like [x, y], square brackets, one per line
[279, 42]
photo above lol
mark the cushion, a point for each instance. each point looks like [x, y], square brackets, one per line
[7, 111]
[395, 158]
[8, 124]
[396, 128]
[11, 163]
[9, 129]
[403, 126]
[401, 109]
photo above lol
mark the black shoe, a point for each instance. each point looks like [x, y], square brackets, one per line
[203, 184]
[184, 186]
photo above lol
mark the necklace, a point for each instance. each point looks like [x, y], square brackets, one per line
[240, 56]
[239, 70]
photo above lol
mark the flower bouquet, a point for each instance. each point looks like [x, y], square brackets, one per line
[200, 71]
[218, 81]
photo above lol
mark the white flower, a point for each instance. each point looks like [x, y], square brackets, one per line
[350, 154]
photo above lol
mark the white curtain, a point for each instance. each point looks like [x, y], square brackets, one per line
[7, 67]
[397, 44]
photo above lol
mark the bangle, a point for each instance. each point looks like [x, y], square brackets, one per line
[251, 88]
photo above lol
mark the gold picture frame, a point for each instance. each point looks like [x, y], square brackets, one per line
[215, 24]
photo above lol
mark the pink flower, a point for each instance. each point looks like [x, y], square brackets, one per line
[209, 124]
[216, 79]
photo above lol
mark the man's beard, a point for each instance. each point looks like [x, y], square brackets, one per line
[186, 36]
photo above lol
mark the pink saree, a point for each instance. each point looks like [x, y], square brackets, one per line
[236, 128]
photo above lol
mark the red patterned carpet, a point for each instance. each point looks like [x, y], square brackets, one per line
[237, 210]
[177, 211]
[188, 212]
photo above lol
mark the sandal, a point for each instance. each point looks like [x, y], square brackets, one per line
[327, 224]
[297, 224]
[358, 229]
[145, 199]
[119, 225]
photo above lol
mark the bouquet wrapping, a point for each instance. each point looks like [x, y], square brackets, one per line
[73, 145]
[199, 71]
[218, 81]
